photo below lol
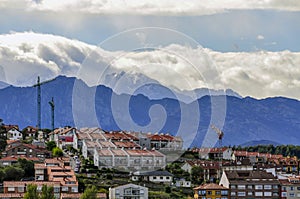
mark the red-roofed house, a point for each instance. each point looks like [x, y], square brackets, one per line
[19, 149]
[215, 153]
[12, 132]
[212, 191]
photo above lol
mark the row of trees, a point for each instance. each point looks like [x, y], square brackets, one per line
[47, 193]
[22, 169]
[285, 150]
[32, 192]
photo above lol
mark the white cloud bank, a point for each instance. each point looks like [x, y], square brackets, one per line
[151, 7]
[24, 56]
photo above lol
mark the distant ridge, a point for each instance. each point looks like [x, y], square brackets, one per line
[260, 142]
[275, 119]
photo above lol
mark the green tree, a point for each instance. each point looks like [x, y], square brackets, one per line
[197, 174]
[27, 166]
[158, 195]
[2, 175]
[31, 192]
[168, 189]
[2, 137]
[50, 145]
[57, 152]
[89, 193]
[13, 173]
[47, 193]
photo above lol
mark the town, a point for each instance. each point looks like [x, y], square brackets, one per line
[77, 163]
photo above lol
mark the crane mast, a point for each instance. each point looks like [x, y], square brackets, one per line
[220, 137]
[38, 85]
[51, 103]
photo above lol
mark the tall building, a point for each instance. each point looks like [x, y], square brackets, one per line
[290, 187]
[250, 184]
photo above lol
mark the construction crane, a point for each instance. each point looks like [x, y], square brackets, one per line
[220, 137]
[220, 134]
[51, 103]
[38, 85]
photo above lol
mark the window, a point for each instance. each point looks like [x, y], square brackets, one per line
[218, 192]
[283, 194]
[224, 193]
[233, 186]
[258, 193]
[292, 188]
[161, 177]
[209, 192]
[11, 189]
[249, 186]
[267, 193]
[56, 189]
[20, 189]
[242, 193]
[233, 193]
[202, 192]
[268, 186]
[241, 186]
[74, 190]
[258, 187]
[292, 194]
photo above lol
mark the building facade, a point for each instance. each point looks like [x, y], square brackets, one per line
[251, 184]
[128, 191]
[212, 191]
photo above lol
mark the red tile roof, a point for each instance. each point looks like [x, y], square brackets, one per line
[211, 186]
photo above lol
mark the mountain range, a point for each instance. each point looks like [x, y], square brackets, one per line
[247, 119]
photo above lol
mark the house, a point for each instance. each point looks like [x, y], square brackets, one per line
[211, 169]
[11, 160]
[57, 170]
[165, 141]
[19, 149]
[250, 184]
[129, 159]
[63, 136]
[290, 187]
[78, 139]
[215, 153]
[17, 189]
[245, 164]
[182, 183]
[30, 132]
[163, 177]
[212, 191]
[128, 191]
[88, 147]
[12, 132]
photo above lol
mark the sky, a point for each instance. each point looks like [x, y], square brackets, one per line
[251, 47]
